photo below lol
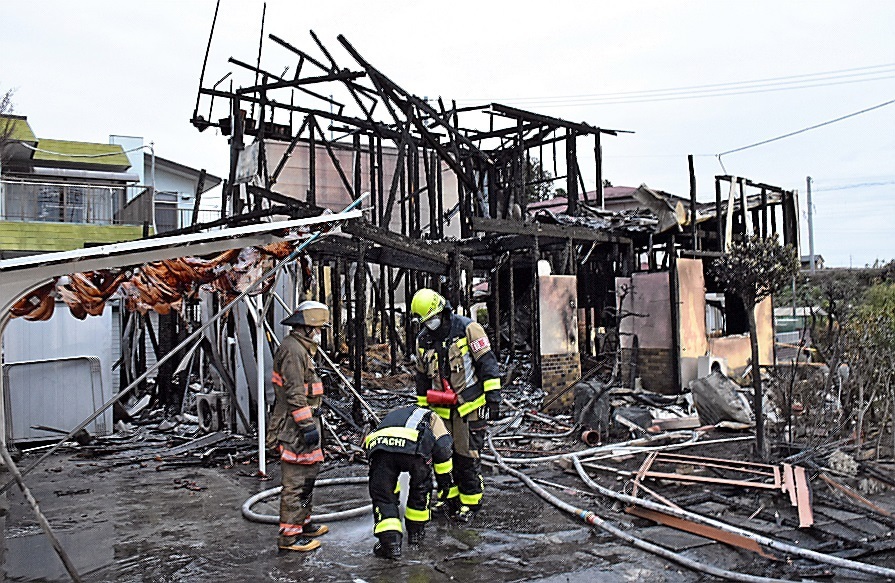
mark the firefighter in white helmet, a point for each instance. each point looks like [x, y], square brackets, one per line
[294, 429]
[458, 378]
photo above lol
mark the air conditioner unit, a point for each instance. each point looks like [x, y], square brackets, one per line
[209, 409]
[706, 364]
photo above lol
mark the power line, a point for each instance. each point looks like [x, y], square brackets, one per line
[854, 185]
[708, 88]
[67, 155]
[705, 94]
[803, 130]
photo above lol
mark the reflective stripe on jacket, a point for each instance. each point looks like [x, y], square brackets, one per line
[464, 358]
[415, 431]
[298, 392]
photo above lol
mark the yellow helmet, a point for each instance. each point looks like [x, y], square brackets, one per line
[309, 313]
[426, 304]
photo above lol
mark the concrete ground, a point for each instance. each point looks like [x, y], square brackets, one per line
[156, 520]
[146, 522]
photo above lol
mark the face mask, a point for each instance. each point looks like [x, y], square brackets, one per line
[433, 323]
[317, 337]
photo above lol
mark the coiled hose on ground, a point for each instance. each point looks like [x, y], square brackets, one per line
[250, 514]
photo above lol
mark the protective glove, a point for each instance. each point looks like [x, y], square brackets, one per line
[493, 410]
[312, 437]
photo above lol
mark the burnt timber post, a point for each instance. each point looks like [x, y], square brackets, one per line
[692, 201]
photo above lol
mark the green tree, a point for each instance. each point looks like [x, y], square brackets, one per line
[538, 182]
[753, 269]
[6, 108]
[869, 348]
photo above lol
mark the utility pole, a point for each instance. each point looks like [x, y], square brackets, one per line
[810, 230]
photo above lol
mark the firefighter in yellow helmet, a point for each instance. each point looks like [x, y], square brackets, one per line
[409, 439]
[458, 378]
[294, 429]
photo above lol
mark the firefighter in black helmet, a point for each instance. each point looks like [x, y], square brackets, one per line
[413, 440]
[294, 429]
[457, 377]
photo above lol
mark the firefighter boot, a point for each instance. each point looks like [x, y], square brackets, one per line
[446, 508]
[388, 546]
[296, 543]
[465, 514]
[314, 529]
[416, 532]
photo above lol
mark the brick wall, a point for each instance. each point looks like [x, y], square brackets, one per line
[655, 369]
[558, 371]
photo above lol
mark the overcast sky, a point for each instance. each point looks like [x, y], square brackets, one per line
[84, 70]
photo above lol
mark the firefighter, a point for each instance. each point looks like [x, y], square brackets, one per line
[409, 439]
[457, 377]
[294, 429]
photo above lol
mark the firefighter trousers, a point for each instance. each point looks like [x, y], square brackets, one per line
[469, 437]
[385, 467]
[296, 498]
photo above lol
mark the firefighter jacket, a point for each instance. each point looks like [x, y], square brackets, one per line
[298, 392]
[464, 359]
[418, 432]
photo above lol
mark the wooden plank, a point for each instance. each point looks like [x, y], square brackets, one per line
[709, 532]
[789, 484]
[803, 489]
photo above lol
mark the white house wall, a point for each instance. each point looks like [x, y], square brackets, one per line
[62, 336]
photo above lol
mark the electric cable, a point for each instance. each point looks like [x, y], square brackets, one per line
[710, 86]
[803, 130]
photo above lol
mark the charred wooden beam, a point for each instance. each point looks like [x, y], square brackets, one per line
[515, 113]
[352, 87]
[377, 128]
[287, 201]
[294, 83]
[417, 102]
[504, 132]
[277, 77]
[544, 230]
[437, 252]
[308, 57]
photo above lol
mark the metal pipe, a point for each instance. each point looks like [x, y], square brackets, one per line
[760, 539]
[590, 437]
[594, 520]
[348, 384]
[632, 444]
[259, 356]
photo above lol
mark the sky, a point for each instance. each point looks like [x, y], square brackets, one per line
[690, 77]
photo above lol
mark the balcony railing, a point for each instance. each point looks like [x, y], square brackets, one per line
[64, 202]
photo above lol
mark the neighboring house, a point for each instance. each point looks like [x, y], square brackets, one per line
[58, 195]
[805, 261]
[330, 192]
